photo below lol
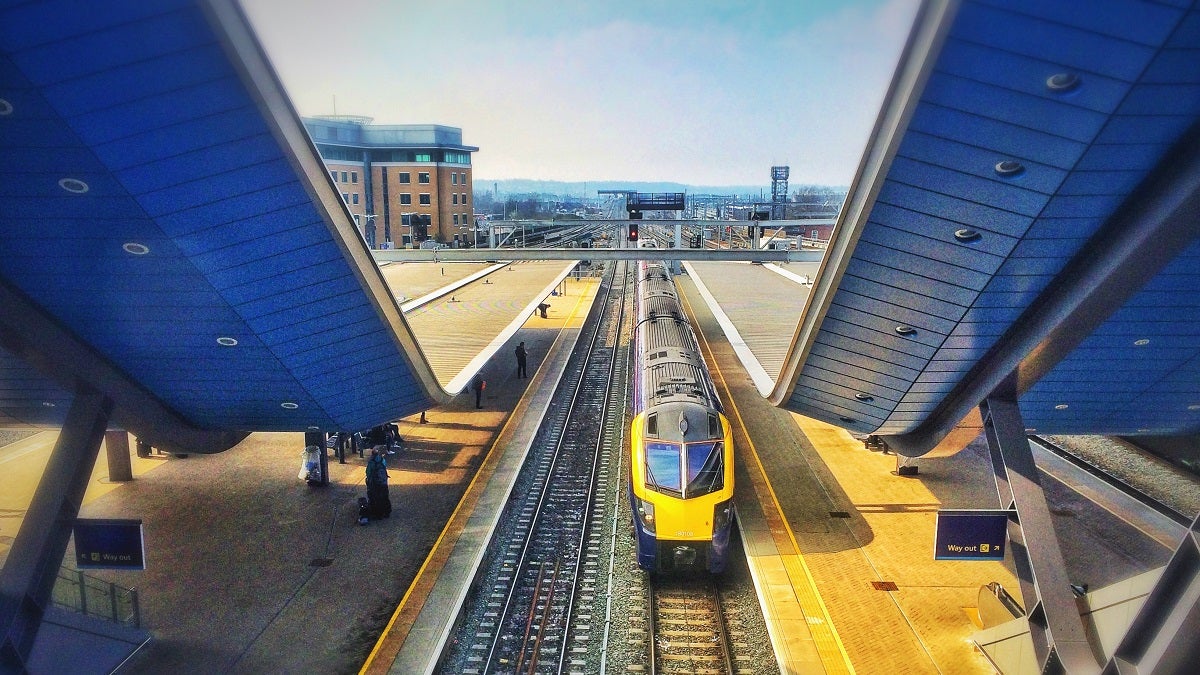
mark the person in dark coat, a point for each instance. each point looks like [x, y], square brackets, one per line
[478, 384]
[378, 500]
[521, 355]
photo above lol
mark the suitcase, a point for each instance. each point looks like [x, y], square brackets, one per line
[364, 510]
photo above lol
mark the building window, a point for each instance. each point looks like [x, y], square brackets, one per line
[456, 219]
[455, 196]
[333, 174]
[345, 197]
[343, 176]
[464, 178]
[405, 178]
[425, 199]
[353, 176]
[405, 198]
[422, 157]
[453, 178]
[354, 198]
[423, 177]
[464, 199]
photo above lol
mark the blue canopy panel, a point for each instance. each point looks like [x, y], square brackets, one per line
[1008, 159]
[162, 205]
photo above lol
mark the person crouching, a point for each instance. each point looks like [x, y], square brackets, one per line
[378, 500]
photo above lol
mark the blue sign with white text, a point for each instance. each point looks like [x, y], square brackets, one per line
[109, 544]
[970, 534]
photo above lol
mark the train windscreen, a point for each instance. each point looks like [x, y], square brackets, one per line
[704, 468]
[662, 468]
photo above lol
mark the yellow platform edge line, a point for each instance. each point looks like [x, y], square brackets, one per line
[434, 550]
[807, 594]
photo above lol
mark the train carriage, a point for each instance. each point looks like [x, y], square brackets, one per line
[681, 468]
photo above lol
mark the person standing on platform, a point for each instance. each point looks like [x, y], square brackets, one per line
[478, 384]
[521, 356]
[379, 502]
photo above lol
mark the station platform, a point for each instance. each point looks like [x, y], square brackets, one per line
[249, 570]
[840, 547]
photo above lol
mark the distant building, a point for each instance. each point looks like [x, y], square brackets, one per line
[404, 183]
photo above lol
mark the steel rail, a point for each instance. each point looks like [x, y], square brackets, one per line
[547, 483]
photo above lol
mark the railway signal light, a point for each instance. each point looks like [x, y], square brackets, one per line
[633, 232]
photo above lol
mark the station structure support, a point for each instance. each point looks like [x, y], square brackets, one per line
[1056, 627]
[1160, 639]
[28, 576]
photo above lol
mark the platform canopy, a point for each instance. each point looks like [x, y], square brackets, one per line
[1024, 221]
[171, 239]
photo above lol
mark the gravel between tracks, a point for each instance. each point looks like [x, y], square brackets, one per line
[1158, 479]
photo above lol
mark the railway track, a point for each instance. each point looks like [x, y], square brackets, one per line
[687, 628]
[1116, 482]
[525, 608]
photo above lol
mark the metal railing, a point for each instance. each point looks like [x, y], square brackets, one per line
[91, 596]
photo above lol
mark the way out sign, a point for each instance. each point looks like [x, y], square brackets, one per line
[970, 534]
[109, 544]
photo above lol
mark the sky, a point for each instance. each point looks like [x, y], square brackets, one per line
[698, 92]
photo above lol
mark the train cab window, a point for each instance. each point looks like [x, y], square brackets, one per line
[663, 468]
[714, 427]
[705, 468]
[652, 425]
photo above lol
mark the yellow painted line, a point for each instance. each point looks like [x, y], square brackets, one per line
[486, 468]
[468, 496]
[829, 646]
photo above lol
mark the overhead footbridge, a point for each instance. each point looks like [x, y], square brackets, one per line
[172, 242]
[1018, 251]
[1022, 224]
[174, 262]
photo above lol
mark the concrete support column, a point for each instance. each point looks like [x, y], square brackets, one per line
[116, 446]
[37, 552]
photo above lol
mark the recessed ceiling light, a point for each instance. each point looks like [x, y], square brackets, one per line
[73, 185]
[905, 330]
[1030, 430]
[1194, 406]
[48, 404]
[227, 341]
[289, 405]
[313, 427]
[5, 108]
[1062, 82]
[135, 248]
[1141, 343]
[1061, 406]
[967, 234]
[1009, 168]
[866, 398]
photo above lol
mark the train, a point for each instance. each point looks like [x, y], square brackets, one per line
[681, 447]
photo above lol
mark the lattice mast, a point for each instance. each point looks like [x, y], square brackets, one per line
[779, 191]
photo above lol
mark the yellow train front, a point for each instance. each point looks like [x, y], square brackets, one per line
[681, 468]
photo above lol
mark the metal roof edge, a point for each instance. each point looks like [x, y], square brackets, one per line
[926, 38]
[247, 55]
[57, 353]
[1145, 234]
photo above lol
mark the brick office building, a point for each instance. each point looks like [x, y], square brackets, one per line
[404, 183]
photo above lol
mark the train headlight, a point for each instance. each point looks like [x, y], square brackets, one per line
[722, 515]
[645, 513]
